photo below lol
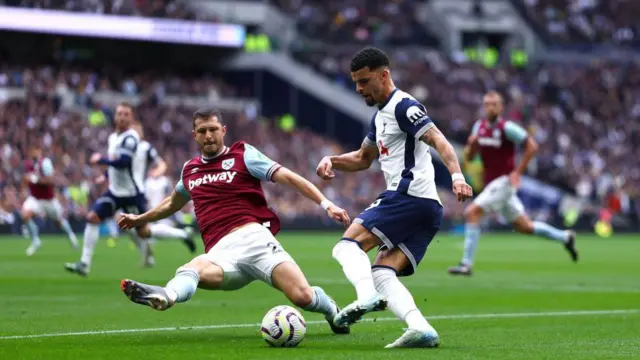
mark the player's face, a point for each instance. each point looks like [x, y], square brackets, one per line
[209, 135]
[123, 118]
[369, 84]
[35, 153]
[492, 105]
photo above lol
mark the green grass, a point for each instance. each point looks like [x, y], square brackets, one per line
[516, 276]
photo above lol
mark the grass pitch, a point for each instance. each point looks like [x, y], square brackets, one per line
[526, 301]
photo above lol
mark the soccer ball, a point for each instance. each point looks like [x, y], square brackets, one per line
[283, 326]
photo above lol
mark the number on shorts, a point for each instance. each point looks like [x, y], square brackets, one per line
[374, 204]
[131, 210]
[275, 247]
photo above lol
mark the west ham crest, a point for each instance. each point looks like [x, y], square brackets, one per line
[228, 163]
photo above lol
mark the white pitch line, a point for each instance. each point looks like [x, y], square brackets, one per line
[316, 322]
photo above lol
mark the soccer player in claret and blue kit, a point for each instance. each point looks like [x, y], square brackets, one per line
[237, 225]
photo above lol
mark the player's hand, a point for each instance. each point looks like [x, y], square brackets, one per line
[95, 157]
[324, 169]
[100, 180]
[339, 214]
[462, 190]
[514, 178]
[472, 141]
[129, 221]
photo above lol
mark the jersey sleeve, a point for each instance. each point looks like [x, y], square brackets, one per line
[47, 167]
[180, 189]
[515, 133]
[152, 155]
[476, 128]
[128, 146]
[370, 139]
[259, 166]
[412, 117]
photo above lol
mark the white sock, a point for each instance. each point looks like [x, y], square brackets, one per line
[549, 232]
[91, 236]
[182, 287]
[356, 266]
[399, 298]
[471, 237]
[166, 231]
[113, 228]
[32, 228]
[64, 224]
[321, 303]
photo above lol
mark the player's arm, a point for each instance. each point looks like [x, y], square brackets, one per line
[47, 174]
[160, 166]
[126, 151]
[265, 169]
[518, 135]
[471, 149]
[353, 161]
[169, 206]
[413, 120]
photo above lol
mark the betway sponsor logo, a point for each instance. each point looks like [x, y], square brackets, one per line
[491, 142]
[226, 176]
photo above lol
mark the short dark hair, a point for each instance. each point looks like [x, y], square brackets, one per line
[370, 57]
[206, 113]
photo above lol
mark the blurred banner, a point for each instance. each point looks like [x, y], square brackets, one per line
[122, 27]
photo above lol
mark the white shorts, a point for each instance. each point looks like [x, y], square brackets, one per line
[44, 208]
[247, 254]
[501, 197]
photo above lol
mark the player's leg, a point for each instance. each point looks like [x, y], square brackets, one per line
[288, 278]
[29, 209]
[419, 332]
[54, 211]
[164, 230]
[473, 215]
[403, 260]
[104, 208]
[524, 225]
[199, 272]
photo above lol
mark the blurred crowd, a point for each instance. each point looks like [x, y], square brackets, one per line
[173, 9]
[587, 21]
[586, 118]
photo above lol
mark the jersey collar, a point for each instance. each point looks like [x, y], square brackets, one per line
[381, 106]
[224, 151]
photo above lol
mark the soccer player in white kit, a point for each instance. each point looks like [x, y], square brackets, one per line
[126, 186]
[405, 218]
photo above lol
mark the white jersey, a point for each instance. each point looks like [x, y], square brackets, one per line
[157, 189]
[396, 129]
[125, 181]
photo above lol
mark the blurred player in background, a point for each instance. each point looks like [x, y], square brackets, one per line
[406, 217]
[42, 199]
[495, 139]
[237, 225]
[126, 185]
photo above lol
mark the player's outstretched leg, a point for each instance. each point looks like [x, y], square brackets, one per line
[350, 252]
[32, 229]
[198, 272]
[419, 332]
[90, 241]
[473, 214]
[288, 278]
[64, 225]
[566, 237]
[160, 230]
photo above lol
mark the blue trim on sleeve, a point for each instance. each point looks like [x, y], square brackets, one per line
[412, 117]
[259, 166]
[180, 189]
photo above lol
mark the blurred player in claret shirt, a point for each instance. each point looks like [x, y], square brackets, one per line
[495, 139]
[42, 199]
[237, 225]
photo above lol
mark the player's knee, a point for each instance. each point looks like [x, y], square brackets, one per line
[524, 227]
[27, 215]
[93, 218]
[472, 214]
[301, 296]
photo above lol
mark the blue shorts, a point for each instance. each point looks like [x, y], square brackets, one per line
[403, 221]
[107, 205]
